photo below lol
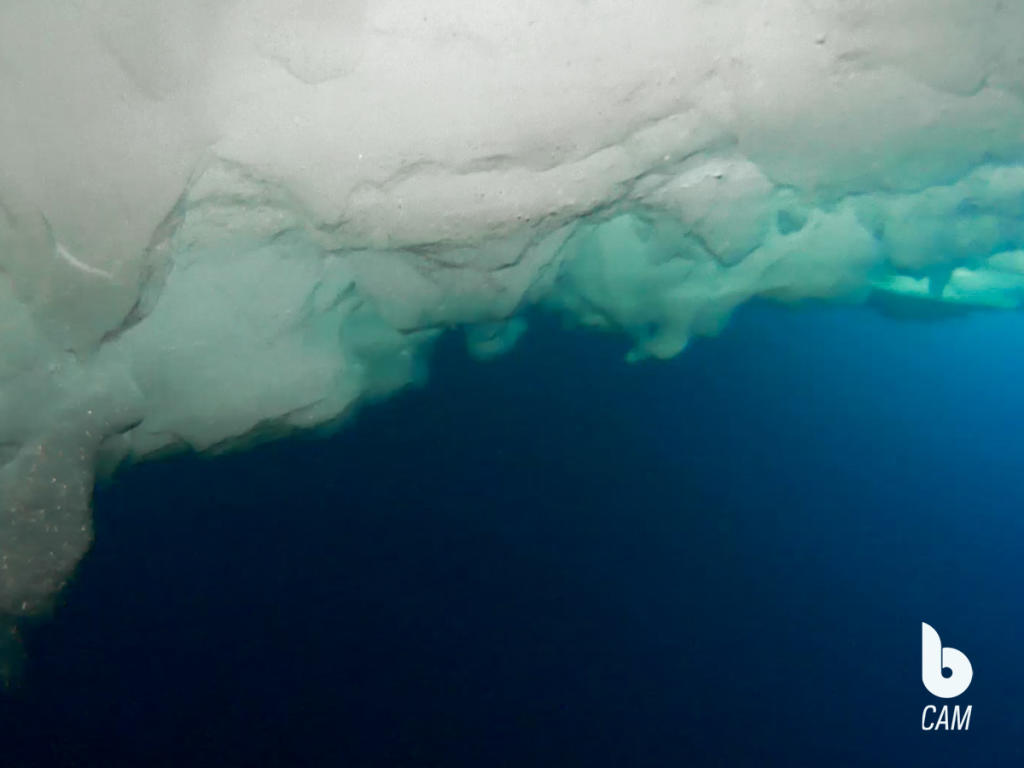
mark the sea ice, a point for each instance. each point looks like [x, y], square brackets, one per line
[222, 220]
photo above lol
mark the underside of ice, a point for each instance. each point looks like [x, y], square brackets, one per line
[224, 220]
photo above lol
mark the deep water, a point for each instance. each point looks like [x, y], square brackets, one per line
[557, 558]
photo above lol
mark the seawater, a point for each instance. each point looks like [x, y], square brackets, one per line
[558, 558]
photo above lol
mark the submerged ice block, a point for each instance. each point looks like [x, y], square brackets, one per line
[221, 221]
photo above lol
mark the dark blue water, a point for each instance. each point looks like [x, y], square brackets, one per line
[560, 559]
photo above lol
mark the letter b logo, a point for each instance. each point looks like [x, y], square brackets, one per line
[935, 658]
